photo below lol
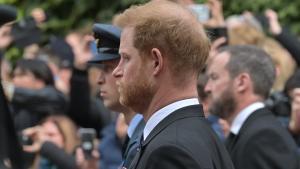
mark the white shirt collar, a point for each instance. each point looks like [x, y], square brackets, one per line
[133, 124]
[243, 115]
[162, 113]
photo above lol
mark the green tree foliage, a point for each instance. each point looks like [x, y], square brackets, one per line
[288, 11]
[65, 15]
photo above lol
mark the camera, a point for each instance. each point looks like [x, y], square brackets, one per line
[279, 104]
[25, 140]
[87, 136]
[25, 33]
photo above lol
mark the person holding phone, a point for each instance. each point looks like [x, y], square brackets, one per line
[55, 140]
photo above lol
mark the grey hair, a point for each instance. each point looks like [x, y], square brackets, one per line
[254, 61]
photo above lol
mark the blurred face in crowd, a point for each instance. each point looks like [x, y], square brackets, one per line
[133, 75]
[53, 134]
[108, 88]
[26, 79]
[220, 86]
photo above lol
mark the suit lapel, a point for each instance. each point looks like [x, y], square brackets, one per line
[252, 118]
[232, 139]
[189, 111]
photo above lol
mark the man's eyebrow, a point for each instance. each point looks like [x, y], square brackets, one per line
[123, 54]
[210, 74]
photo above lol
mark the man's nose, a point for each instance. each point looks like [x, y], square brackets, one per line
[207, 87]
[117, 72]
[101, 78]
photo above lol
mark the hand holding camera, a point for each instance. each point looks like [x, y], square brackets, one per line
[83, 163]
[33, 139]
[87, 137]
[86, 156]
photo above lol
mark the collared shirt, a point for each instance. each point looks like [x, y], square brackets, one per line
[243, 115]
[162, 113]
[133, 124]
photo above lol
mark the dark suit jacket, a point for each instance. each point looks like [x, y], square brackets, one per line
[184, 139]
[9, 144]
[263, 143]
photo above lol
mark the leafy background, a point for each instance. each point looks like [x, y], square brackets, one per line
[65, 15]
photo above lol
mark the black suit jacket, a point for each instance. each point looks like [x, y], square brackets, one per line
[9, 144]
[263, 143]
[182, 140]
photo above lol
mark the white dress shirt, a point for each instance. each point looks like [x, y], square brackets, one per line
[162, 113]
[240, 119]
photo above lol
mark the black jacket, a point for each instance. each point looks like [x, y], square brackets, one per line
[9, 145]
[57, 156]
[262, 143]
[182, 140]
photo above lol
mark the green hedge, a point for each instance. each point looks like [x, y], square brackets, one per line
[288, 11]
[71, 14]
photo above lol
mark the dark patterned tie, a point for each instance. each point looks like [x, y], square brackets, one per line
[138, 154]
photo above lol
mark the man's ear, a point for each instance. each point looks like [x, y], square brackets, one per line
[243, 82]
[157, 62]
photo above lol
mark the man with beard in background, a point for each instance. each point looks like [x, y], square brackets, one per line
[240, 79]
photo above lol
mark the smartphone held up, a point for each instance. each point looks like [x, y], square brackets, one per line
[87, 137]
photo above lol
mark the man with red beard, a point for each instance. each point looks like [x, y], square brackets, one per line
[162, 53]
[240, 79]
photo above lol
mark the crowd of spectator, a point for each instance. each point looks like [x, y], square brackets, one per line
[57, 87]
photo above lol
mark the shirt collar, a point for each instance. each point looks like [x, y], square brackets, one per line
[162, 113]
[243, 115]
[133, 124]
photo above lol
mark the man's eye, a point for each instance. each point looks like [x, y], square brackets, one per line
[213, 77]
[125, 57]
